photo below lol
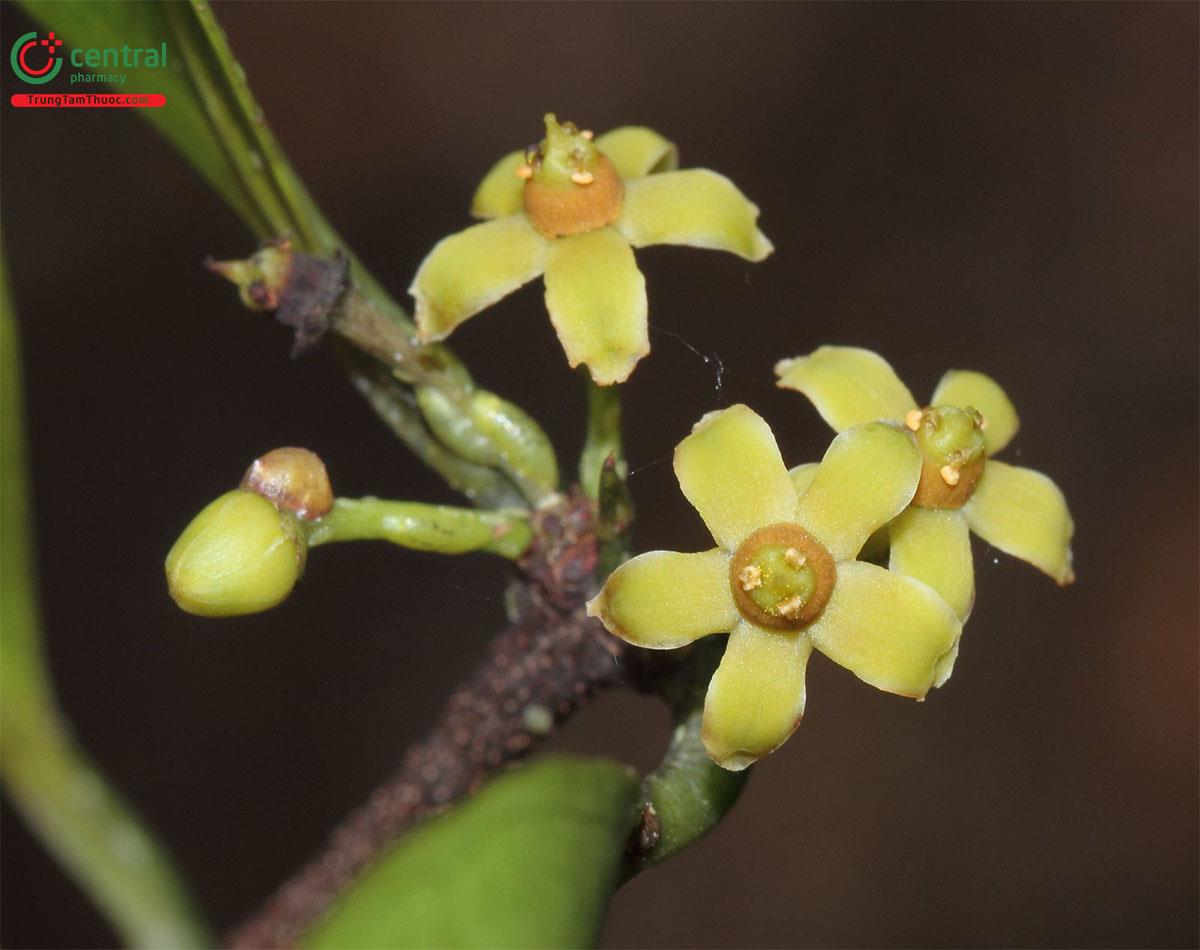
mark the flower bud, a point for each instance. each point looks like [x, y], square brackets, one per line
[260, 278]
[240, 555]
[294, 479]
[492, 431]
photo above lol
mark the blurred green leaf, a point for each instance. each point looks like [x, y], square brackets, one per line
[530, 861]
[66, 800]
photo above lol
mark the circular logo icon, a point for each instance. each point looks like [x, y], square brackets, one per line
[36, 61]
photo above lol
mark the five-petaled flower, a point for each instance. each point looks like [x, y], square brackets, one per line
[783, 579]
[969, 419]
[573, 209]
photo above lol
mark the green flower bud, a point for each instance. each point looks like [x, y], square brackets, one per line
[240, 555]
[454, 428]
[491, 431]
[525, 450]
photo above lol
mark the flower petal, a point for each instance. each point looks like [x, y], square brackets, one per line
[756, 697]
[471, 270]
[597, 301]
[868, 476]
[730, 469]
[502, 191]
[662, 599]
[847, 385]
[934, 546]
[1023, 513]
[695, 207]
[802, 476]
[887, 629]
[964, 387]
[636, 151]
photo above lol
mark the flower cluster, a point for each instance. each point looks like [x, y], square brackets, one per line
[784, 578]
[798, 559]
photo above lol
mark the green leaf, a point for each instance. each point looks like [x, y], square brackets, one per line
[67, 802]
[530, 861]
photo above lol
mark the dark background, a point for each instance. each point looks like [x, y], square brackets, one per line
[1006, 187]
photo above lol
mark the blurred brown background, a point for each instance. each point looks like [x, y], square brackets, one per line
[1004, 187]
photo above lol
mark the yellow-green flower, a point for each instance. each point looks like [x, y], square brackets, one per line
[572, 209]
[968, 420]
[783, 579]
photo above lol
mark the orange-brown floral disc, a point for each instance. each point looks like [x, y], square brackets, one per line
[570, 186]
[952, 456]
[781, 577]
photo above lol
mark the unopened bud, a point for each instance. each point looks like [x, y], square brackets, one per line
[240, 555]
[261, 277]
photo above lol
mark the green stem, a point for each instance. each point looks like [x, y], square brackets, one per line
[67, 802]
[422, 527]
[688, 794]
[603, 435]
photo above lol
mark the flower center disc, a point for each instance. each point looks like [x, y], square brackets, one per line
[952, 457]
[571, 187]
[781, 577]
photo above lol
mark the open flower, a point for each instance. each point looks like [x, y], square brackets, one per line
[783, 579]
[969, 419]
[572, 209]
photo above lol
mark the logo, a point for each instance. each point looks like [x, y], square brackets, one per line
[32, 64]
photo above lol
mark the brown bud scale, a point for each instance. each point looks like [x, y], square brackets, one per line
[294, 479]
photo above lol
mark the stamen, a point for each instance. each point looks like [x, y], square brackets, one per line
[582, 178]
[587, 134]
[912, 419]
[794, 558]
[949, 475]
[790, 608]
[983, 423]
[524, 171]
[750, 577]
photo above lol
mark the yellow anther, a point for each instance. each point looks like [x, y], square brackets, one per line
[949, 475]
[791, 607]
[524, 171]
[750, 577]
[982, 422]
[587, 134]
[912, 419]
[794, 559]
[583, 178]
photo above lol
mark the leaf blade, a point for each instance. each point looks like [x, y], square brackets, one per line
[531, 861]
